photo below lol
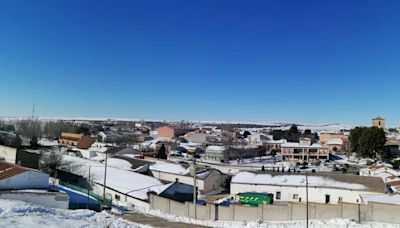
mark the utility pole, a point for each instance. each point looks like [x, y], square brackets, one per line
[88, 190]
[194, 188]
[307, 197]
[105, 178]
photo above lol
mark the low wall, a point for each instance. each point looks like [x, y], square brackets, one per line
[47, 199]
[111, 193]
[372, 212]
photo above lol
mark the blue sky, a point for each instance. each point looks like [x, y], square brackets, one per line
[305, 61]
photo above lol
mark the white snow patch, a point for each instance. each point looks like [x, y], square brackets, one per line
[293, 180]
[21, 215]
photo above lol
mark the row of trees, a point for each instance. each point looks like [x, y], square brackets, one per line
[293, 134]
[370, 142]
[49, 129]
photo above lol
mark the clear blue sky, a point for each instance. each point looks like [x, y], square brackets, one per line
[307, 61]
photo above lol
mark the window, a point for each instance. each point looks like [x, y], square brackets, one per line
[117, 197]
[295, 196]
[278, 195]
[340, 199]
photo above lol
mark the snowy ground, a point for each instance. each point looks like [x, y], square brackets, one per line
[21, 214]
[335, 223]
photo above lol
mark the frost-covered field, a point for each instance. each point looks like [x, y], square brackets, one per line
[21, 214]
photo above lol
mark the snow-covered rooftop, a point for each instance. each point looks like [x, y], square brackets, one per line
[124, 181]
[389, 199]
[215, 148]
[298, 145]
[170, 168]
[323, 180]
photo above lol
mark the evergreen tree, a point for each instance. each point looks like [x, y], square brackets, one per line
[162, 152]
[368, 142]
[354, 138]
[293, 134]
[245, 134]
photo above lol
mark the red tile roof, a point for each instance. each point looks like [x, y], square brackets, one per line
[394, 183]
[9, 170]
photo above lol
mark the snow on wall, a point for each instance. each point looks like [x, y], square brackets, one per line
[9, 154]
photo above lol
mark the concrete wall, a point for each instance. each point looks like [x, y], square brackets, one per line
[8, 154]
[385, 213]
[372, 212]
[47, 199]
[111, 194]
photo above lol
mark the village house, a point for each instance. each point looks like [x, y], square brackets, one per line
[328, 188]
[335, 141]
[215, 153]
[274, 145]
[335, 145]
[208, 180]
[8, 154]
[122, 184]
[23, 157]
[15, 177]
[378, 122]
[171, 132]
[258, 139]
[78, 140]
[304, 151]
[196, 137]
[388, 175]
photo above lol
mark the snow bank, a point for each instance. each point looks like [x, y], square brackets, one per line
[21, 214]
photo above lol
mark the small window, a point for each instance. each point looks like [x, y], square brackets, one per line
[278, 195]
[117, 197]
[340, 199]
[295, 196]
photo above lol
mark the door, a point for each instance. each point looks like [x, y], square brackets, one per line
[327, 199]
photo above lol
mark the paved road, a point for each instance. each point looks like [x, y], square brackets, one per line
[155, 221]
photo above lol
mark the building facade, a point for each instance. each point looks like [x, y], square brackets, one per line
[304, 151]
[322, 188]
[378, 122]
[215, 153]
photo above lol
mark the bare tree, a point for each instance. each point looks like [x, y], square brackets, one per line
[53, 161]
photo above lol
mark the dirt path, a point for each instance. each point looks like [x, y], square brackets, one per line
[155, 221]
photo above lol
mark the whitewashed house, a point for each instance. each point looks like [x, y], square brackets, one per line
[14, 177]
[121, 184]
[215, 153]
[388, 175]
[326, 188]
[207, 180]
[8, 154]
